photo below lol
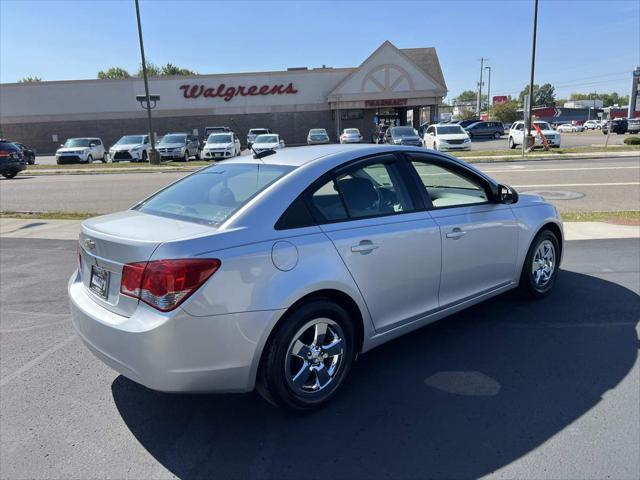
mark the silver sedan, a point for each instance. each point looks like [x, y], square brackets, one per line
[275, 272]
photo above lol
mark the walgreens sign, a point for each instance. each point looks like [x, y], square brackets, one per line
[228, 93]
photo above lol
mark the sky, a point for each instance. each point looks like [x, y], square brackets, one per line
[583, 45]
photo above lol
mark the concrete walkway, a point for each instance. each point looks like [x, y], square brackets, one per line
[69, 229]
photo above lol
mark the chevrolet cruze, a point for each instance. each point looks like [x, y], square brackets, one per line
[275, 272]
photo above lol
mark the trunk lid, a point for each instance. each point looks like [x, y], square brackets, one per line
[108, 242]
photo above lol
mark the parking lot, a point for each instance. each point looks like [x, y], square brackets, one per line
[507, 389]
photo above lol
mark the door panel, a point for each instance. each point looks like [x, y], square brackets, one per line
[395, 261]
[479, 248]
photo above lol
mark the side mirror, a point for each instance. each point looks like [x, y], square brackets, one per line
[507, 194]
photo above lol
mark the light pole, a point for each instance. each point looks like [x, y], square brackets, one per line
[527, 130]
[488, 93]
[153, 155]
[479, 100]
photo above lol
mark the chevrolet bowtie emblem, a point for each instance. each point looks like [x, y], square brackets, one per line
[89, 244]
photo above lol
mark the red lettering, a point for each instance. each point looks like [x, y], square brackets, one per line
[290, 89]
[229, 94]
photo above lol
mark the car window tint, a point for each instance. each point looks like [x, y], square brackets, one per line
[373, 190]
[213, 194]
[327, 203]
[447, 188]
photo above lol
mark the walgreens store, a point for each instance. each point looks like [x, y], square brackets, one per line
[399, 86]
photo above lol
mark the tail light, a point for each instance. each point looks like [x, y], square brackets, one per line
[4, 153]
[165, 284]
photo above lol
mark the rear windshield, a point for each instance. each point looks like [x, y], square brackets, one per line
[403, 132]
[212, 195]
[352, 131]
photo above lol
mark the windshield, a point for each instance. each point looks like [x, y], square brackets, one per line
[403, 132]
[77, 142]
[545, 125]
[130, 140]
[258, 131]
[174, 139]
[450, 130]
[267, 139]
[352, 131]
[317, 131]
[212, 195]
[219, 138]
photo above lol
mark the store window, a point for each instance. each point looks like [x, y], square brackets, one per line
[357, 114]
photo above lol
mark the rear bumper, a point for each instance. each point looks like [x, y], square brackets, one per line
[12, 167]
[174, 351]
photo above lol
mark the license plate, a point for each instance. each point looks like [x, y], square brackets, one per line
[99, 281]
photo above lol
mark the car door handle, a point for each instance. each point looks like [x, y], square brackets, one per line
[365, 246]
[456, 233]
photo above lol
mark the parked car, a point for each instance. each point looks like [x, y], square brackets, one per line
[317, 136]
[485, 129]
[592, 125]
[11, 160]
[254, 132]
[134, 148]
[209, 130]
[516, 134]
[466, 123]
[83, 150]
[221, 145]
[617, 125]
[402, 136]
[224, 281]
[178, 146]
[446, 137]
[633, 125]
[268, 141]
[350, 135]
[567, 127]
[28, 154]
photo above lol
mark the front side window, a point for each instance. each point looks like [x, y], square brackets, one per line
[212, 195]
[447, 188]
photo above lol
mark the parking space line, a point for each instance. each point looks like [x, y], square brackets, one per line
[29, 365]
[32, 327]
[576, 169]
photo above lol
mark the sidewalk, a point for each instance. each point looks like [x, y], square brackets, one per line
[69, 229]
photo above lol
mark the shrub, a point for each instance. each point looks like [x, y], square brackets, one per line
[632, 141]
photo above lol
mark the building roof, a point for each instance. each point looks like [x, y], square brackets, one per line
[427, 60]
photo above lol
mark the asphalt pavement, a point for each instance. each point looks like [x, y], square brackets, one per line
[572, 185]
[507, 389]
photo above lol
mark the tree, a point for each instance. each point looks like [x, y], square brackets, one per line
[469, 96]
[170, 69]
[30, 80]
[152, 70]
[542, 95]
[113, 72]
[466, 114]
[506, 112]
[608, 99]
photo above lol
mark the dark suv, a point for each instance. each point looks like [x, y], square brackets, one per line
[485, 129]
[402, 136]
[617, 125]
[11, 160]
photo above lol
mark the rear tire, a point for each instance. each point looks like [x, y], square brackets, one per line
[540, 268]
[310, 377]
[496, 135]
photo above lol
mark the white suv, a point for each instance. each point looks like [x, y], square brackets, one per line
[83, 150]
[134, 148]
[516, 134]
[592, 125]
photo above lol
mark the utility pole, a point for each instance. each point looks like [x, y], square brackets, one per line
[479, 99]
[488, 93]
[153, 155]
[527, 133]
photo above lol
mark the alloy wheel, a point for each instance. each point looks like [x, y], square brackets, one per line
[544, 264]
[315, 356]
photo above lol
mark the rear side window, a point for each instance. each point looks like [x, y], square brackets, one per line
[212, 195]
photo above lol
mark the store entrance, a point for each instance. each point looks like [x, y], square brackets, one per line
[390, 116]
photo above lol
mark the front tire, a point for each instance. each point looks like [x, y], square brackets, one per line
[496, 135]
[540, 267]
[9, 175]
[308, 357]
[512, 144]
[186, 156]
[89, 159]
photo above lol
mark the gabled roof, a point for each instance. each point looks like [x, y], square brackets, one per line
[389, 70]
